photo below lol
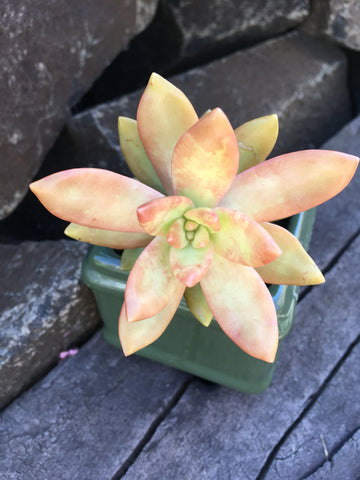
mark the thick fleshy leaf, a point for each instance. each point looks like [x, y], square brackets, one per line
[107, 238]
[156, 217]
[151, 282]
[201, 237]
[204, 216]
[294, 266]
[290, 183]
[94, 198]
[138, 335]
[256, 139]
[197, 304]
[163, 116]
[190, 264]
[206, 160]
[176, 236]
[129, 257]
[135, 155]
[243, 307]
[242, 240]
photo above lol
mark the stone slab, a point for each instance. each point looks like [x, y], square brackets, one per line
[228, 23]
[51, 52]
[344, 465]
[86, 417]
[322, 431]
[217, 433]
[44, 309]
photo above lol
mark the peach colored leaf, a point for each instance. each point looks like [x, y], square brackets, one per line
[156, 217]
[294, 266]
[138, 335]
[163, 116]
[151, 282]
[242, 240]
[129, 257]
[135, 155]
[197, 304]
[94, 198]
[190, 264]
[290, 183]
[204, 216]
[201, 237]
[243, 307]
[256, 139]
[107, 238]
[206, 160]
[176, 236]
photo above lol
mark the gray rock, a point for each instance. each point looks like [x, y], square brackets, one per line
[340, 217]
[322, 431]
[51, 52]
[44, 309]
[204, 30]
[302, 80]
[216, 433]
[338, 20]
[344, 465]
[84, 420]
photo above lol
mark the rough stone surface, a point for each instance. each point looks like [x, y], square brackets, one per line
[229, 22]
[51, 52]
[86, 417]
[338, 20]
[344, 465]
[329, 423]
[345, 206]
[44, 309]
[241, 430]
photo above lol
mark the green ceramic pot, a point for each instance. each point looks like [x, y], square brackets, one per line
[186, 344]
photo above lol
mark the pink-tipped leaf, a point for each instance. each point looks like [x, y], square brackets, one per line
[205, 160]
[242, 240]
[294, 266]
[94, 198]
[151, 282]
[290, 183]
[176, 235]
[190, 264]
[243, 307]
[163, 116]
[204, 216]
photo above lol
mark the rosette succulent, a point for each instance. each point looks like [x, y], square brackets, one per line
[200, 211]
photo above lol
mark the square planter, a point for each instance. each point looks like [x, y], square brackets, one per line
[186, 344]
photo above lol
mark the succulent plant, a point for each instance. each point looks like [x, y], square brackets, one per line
[201, 218]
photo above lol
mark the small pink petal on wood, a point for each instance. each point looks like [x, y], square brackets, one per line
[138, 335]
[256, 139]
[294, 266]
[176, 236]
[197, 304]
[107, 238]
[157, 216]
[190, 264]
[151, 282]
[94, 198]
[163, 116]
[290, 183]
[135, 155]
[242, 240]
[204, 216]
[243, 307]
[205, 160]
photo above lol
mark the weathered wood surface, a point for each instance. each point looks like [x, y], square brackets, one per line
[98, 415]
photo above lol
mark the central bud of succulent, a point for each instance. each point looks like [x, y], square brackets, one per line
[193, 228]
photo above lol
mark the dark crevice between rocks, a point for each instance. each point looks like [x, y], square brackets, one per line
[332, 453]
[309, 404]
[85, 337]
[354, 79]
[152, 429]
[332, 263]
